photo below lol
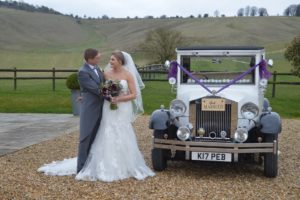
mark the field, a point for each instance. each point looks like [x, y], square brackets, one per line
[42, 40]
[35, 40]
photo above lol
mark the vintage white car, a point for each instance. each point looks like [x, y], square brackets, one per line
[220, 112]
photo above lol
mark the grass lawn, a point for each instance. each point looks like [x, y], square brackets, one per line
[37, 97]
[286, 101]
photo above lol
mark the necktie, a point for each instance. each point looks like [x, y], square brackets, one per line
[95, 70]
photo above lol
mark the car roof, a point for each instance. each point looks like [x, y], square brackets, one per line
[220, 48]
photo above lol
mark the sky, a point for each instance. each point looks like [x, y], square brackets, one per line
[142, 8]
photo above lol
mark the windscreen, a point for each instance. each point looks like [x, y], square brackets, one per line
[218, 70]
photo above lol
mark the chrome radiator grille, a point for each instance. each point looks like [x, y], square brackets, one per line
[214, 121]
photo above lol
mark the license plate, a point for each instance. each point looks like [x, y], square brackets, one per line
[207, 156]
[213, 104]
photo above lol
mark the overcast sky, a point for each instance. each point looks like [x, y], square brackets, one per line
[141, 8]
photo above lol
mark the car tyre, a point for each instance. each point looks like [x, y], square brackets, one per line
[271, 159]
[159, 156]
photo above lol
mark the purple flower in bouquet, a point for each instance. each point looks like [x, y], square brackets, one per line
[111, 89]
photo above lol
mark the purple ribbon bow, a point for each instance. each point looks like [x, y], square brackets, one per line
[263, 71]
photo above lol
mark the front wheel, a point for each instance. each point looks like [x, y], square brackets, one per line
[271, 159]
[159, 161]
[159, 156]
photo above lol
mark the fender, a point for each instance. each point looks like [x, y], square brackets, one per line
[159, 119]
[266, 104]
[271, 123]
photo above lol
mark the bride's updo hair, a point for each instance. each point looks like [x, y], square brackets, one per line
[119, 56]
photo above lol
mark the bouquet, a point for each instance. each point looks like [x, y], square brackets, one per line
[110, 89]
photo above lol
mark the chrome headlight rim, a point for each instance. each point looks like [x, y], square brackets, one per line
[183, 133]
[263, 82]
[177, 107]
[249, 107]
[241, 132]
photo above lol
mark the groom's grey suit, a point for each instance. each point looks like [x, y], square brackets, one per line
[90, 110]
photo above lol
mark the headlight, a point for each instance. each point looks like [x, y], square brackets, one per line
[183, 133]
[249, 111]
[263, 82]
[177, 107]
[241, 135]
[172, 81]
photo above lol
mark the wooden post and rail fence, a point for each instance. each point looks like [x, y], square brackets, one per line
[150, 73]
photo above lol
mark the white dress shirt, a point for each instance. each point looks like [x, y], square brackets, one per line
[94, 69]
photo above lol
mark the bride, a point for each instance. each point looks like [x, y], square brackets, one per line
[114, 155]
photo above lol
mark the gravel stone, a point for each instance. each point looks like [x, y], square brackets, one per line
[19, 178]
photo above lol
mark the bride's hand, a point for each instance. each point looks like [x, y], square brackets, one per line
[114, 100]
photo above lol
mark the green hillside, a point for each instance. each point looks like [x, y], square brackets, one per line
[42, 40]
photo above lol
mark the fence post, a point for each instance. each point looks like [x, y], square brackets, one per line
[15, 78]
[274, 84]
[53, 78]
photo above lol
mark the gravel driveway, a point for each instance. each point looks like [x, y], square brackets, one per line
[182, 180]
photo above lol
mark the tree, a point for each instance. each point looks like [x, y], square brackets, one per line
[149, 17]
[161, 43]
[240, 12]
[205, 15]
[292, 54]
[253, 11]
[216, 13]
[105, 17]
[247, 11]
[21, 5]
[163, 17]
[262, 12]
[298, 10]
[199, 16]
[291, 10]
[286, 12]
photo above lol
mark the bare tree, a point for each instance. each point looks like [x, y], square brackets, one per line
[262, 12]
[105, 17]
[149, 17]
[247, 11]
[240, 12]
[217, 13]
[291, 10]
[163, 17]
[298, 10]
[160, 44]
[253, 11]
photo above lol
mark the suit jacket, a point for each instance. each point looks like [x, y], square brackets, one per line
[92, 100]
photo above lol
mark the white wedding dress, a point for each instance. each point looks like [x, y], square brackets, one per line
[114, 154]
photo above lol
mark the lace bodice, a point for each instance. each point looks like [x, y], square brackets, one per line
[124, 84]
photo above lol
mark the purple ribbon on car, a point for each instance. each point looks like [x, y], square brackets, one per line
[263, 73]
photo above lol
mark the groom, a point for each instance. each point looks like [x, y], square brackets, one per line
[89, 77]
